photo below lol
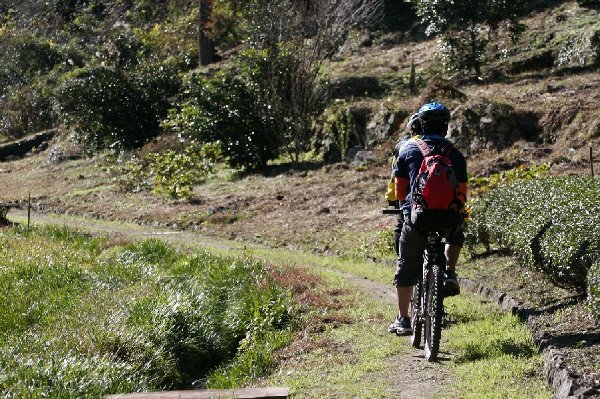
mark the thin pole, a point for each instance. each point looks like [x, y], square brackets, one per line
[29, 211]
[591, 161]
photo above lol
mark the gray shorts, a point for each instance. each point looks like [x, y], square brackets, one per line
[411, 247]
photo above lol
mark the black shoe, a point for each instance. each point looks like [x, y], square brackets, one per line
[451, 287]
[401, 326]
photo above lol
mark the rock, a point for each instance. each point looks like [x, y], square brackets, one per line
[364, 157]
[352, 151]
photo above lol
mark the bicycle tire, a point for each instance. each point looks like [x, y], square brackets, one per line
[435, 313]
[415, 315]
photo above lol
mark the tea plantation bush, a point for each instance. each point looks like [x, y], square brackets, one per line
[77, 320]
[552, 224]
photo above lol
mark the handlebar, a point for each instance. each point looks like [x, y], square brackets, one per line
[392, 211]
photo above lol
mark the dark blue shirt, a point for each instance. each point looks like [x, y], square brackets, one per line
[410, 158]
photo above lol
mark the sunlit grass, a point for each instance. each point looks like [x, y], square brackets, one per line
[494, 354]
[350, 352]
[80, 320]
[347, 358]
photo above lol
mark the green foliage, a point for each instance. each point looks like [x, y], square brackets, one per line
[227, 22]
[110, 108]
[481, 185]
[229, 108]
[138, 318]
[552, 224]
[28, 109]
[26, 97]
[251, 363]
[25, 56]
[175, 174]
[341, 125]
[172, 42]
[170, 173]
[465, 27]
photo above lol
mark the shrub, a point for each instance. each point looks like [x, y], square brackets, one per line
[175, 174]
[552, 224]
[227, 108]
[110, 108]
[27, 109]
[25, 56]
[170, 173]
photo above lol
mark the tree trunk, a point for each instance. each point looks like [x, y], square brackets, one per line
[206, 47]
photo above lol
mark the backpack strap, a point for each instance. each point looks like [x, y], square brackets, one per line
[425, 150]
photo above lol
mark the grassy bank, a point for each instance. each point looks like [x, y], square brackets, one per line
[494, 356]
[83, 317]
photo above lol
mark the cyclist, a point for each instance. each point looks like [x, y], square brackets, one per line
[413, 129]
[433, 121]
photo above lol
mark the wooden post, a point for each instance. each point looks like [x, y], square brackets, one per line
[591, 161]
[29, 212]
[413, 78]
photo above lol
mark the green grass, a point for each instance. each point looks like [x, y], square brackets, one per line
[342, 349]
[78, 319]
[345, 357]
[494, 356]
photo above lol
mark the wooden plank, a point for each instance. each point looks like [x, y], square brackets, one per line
[247, 393]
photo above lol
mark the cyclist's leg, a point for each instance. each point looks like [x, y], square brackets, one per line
[452, 251]
[409, 265]
[397, 232]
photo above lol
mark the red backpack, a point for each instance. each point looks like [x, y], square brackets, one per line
[437, 185]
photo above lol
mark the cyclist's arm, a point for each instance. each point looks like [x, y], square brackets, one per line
[401, 185]
[461, 169]
[401, 177]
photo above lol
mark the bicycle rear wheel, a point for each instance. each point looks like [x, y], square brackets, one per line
[434, 314]
[415, 315]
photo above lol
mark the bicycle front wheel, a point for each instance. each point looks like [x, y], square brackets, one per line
[435, 313]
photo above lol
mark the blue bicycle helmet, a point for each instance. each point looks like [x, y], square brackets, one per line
[434, 111]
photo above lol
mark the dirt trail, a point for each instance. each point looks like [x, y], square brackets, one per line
[414, 377]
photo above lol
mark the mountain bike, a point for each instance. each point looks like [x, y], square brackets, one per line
[426, 309]
[427, 301]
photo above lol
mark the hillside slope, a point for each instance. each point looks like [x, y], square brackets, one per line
[535, 107]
